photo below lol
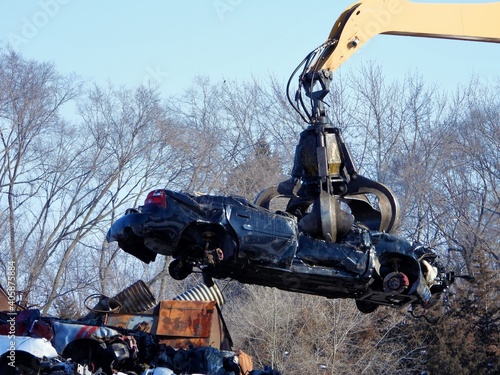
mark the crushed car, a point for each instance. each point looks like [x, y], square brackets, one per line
[229, 237]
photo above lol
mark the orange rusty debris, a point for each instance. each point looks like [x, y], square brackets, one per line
[179, 324]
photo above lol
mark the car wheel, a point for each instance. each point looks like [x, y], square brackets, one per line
[179, 269]
[366, 307]
[24, 364]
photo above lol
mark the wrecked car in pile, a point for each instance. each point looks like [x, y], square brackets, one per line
[128, 334]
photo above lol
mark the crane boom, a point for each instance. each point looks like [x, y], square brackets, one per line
[324, 172]
[362, 21]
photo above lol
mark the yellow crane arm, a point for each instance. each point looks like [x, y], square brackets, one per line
[362, 21]
[323, 163]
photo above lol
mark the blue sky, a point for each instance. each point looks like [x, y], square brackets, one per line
[170, 42]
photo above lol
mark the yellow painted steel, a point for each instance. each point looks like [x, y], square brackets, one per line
[364, 20]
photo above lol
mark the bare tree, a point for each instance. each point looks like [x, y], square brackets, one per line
[463, 208]
[62, 183]
[227, 124]
[467, 183]
[32, 95]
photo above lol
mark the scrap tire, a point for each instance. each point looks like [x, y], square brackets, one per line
[366, 307]
[179, 269]
[25, 364]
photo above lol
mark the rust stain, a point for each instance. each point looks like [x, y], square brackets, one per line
[176, 323]
[185, 318]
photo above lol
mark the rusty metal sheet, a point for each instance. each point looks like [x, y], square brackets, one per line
[185, 318]
[4, 300]
[135, 322]
[179, 324]
[6, 304]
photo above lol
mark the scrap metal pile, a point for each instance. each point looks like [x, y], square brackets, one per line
[129, 334]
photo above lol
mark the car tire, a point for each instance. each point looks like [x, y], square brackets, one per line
[366, 307]
[179, 269]
[25, 364]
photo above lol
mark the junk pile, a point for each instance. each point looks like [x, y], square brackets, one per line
[128, 334]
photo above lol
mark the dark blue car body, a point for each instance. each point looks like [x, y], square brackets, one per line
[229, 237]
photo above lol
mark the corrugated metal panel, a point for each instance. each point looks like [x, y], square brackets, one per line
[202, 292]
[136, 298]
